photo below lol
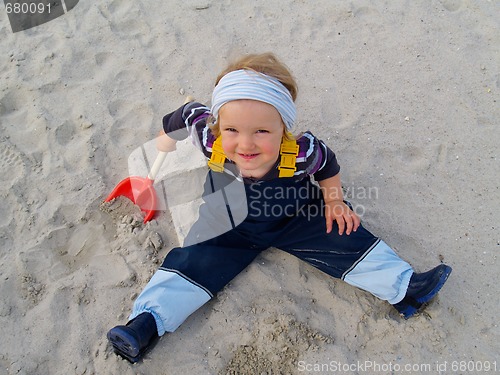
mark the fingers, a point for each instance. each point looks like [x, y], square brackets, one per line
[329, 219]
[356, 222]
[329, 224]
[346, 219]
[352, 222]
[341, 224]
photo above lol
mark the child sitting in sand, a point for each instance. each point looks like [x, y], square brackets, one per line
[246, 134]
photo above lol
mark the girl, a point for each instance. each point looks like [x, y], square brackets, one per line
[246, 134]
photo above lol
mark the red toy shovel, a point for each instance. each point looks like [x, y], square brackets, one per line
[140, 190]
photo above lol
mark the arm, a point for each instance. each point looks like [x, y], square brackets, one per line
[335, 208]
[165, 143]
[187, 121]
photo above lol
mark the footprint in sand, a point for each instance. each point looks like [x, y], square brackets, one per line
[126, 115]
[126, 20]
[65, 132]
[70, 136]
[12, 166]
[414, 158]
[451, 5]
[276, 347]
[72, 249]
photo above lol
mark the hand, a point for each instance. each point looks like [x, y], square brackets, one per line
[346, 219]
[165, 143]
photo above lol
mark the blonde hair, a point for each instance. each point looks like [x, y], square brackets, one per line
[265, 63]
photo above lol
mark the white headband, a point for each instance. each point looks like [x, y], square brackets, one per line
[247, 84]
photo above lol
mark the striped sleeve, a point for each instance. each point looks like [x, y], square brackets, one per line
[190, 120]
[178, 124]
[316, 158]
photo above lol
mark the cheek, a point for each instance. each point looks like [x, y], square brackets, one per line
[228, 145]
[271, 148]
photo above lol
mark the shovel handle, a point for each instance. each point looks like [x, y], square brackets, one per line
[157, 164]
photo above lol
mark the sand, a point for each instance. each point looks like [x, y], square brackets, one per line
[405, 93]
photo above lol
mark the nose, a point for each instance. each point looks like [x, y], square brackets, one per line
[245, 143]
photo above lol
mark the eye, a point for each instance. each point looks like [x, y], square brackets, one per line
[232, 130]
[262, 131]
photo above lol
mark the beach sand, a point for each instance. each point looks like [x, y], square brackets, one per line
[405, 93]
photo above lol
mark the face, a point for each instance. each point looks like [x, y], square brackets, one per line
[251, 135]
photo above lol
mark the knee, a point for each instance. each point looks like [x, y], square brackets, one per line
[175, 258]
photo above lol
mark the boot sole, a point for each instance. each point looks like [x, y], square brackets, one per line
[124, 344]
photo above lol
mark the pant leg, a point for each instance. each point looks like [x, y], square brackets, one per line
[360, 259]
[190, 276]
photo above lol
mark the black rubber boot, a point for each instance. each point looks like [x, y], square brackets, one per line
[422, 288]
[132, 340]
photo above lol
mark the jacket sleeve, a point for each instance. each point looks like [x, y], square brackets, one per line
[328, 166]
[185, 121]
[316, 158]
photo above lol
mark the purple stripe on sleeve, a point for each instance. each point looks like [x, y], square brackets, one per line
[200, 117]
[319, 159]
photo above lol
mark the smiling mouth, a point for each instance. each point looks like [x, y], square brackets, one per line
[248, 156]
